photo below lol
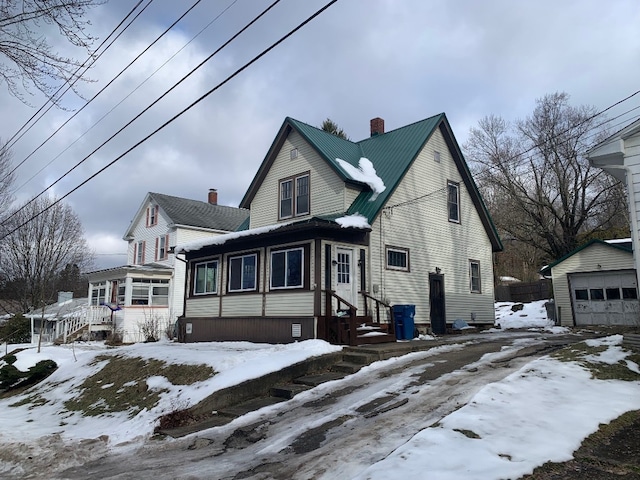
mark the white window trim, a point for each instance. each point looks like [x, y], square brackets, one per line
[285, 251]
[195, 277]
[255, 274]
[405, 251]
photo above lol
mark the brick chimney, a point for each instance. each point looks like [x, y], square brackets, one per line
[213, 196]
[377, 126]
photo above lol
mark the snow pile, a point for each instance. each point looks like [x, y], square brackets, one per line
[540, 413]
[356, 221]
[222, 239]
[532, 315]
[365, 173]
[233, 362]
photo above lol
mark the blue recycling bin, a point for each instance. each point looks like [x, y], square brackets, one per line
[403, 321]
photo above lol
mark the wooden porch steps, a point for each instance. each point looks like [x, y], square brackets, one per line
[72, 337]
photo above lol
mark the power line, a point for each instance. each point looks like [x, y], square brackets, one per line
[264, 12]
[182, 112]
[7, 143]
[109, 84]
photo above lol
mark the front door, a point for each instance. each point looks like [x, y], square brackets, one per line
[436, 304]
[345, 281]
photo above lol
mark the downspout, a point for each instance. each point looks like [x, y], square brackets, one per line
[635, 238]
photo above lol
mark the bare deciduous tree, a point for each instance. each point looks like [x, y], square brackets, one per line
[28, 58]
[549, 197]
[35, 255]
[7, 178]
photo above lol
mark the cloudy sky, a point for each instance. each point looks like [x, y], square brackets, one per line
[402, 60]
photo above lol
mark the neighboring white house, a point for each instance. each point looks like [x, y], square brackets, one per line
[619, 155]
[147, 294]
[596, 285]
[341, 229]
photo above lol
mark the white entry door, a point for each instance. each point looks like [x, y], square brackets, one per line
[345, 281]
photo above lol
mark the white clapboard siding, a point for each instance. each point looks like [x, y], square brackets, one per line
[423, 227]
[593, 258]
[326, 188]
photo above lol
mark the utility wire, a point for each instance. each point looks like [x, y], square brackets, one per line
[175, 117]
[74, 74]
[264, 12]
[501, 163]
[109, 84]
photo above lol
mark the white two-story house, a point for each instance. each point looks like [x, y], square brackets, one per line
[341, 230]
[147, 294]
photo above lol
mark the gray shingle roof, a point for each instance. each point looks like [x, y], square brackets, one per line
[194, 213]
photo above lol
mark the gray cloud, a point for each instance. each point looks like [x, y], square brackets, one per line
[401, 60]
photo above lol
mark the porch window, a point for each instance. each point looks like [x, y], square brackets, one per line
[397, 258]
[99, 294]
[294, 196]
[287, 268]
[629, 293]
[153, 292]
[474, 276]
[453, 201]
[242, 273]
[122, 289]
[206, 278]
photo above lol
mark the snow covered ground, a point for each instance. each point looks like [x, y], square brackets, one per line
[540, 413]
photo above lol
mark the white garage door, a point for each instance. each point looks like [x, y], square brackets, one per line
[605, 298]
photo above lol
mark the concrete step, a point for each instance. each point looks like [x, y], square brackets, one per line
[249, 406]
[346, 367]
[289, 390]
[320, 378]
[359, 358]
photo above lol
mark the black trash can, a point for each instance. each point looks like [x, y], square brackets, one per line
[403, 321]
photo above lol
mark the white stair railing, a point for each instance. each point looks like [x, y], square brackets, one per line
[85, 316]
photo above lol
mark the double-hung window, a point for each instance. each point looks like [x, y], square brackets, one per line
[152, 215]
[206, 278]
[139, 252]
[146, 291]
[453, 201]
[242, 273]
[294, 196]
[474, 276]
[397, 258]
[287, 268]
[162, 247]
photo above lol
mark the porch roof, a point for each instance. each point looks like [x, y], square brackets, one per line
[337, 225]
[124, 270]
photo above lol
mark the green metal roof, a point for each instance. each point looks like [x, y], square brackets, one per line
[391, 154]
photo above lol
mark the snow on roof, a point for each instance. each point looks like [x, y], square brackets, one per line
[222, 239]
[619, 240]
[356, 220]
[365, 173]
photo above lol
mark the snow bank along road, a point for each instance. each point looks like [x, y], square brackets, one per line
[337, 429]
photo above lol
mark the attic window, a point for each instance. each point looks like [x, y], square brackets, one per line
[453, 201]
[152, 215]
[293, 153]
[436, 156]
[294, 196]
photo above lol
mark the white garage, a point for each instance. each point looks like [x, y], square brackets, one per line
[605, 298]
[596, 284]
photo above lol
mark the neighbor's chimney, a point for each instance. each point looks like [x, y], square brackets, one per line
[213, 196]
[377, 126]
